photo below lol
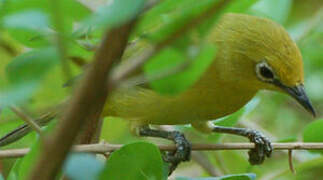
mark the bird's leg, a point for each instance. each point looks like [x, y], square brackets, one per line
[262, 148]
[183, 147]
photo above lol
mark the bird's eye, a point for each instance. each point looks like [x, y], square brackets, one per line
[264, 72]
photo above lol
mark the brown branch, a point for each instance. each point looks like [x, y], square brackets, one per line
[8, 48]
[107, 148]
[290, 161]
[24, 129]
[86, 104]
[92, 131]
[25, 117]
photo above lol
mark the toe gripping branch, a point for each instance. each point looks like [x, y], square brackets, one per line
[263, 147]
[183, 146]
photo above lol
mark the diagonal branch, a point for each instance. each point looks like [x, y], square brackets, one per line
[30, 121]
[86, 104]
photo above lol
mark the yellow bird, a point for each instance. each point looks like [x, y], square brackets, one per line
[253, 54]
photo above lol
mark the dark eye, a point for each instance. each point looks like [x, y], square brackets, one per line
[266, 72]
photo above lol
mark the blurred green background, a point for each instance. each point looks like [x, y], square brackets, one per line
[35, 80]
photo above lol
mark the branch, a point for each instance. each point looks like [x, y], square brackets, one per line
[24, 129]
[107, 148]
[25, 117]
[86, 104]
[10, 50]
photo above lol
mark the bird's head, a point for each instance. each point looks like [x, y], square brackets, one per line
[263, 54]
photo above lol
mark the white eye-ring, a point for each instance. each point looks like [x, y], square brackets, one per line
[264, 72]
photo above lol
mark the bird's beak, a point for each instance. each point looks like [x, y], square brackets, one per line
[298, 93]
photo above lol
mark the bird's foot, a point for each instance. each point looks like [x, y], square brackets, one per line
[182, 152]
[263, 147]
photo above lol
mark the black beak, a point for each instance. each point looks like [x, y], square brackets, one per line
[298, 92]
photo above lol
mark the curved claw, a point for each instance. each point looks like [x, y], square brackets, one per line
[183, 146]
[182, 153]
[262, 148]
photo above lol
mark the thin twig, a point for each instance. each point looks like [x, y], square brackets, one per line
[30, 121]
[107, 148]
[24, 129]
[11, 51]
[290, 161]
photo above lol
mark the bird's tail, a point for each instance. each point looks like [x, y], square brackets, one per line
[24, 129]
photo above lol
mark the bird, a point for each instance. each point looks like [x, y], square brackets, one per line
[253, 54]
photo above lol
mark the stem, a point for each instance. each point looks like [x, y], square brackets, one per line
[30, 121]
[107, 148]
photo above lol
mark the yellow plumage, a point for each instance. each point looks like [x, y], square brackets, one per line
[228, 84]
[252, 54]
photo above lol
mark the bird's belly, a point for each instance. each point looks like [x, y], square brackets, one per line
[200, 105]
[210, 108]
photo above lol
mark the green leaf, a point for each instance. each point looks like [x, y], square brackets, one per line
[14, 171]
[238, 6]
[168, 16]
[268, 8]
[135, 161]
[28, 27]
[227, 121]
[251, 105]
[313, 133]
[75, 10]
[189, 69]
[32, 66]
[17, 93]
[249, 176]
[27, 20]
[232, 119]
[25, 73]
[81, 166]
[115, 13]
[72, 8]
[29, 160]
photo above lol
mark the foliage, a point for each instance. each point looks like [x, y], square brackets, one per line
[31, 76]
